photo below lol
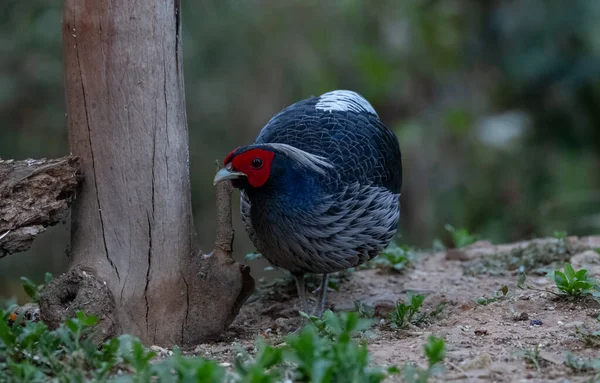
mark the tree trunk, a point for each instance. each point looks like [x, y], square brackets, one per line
[132, 227]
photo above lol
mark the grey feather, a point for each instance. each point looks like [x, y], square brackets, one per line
[363, 223]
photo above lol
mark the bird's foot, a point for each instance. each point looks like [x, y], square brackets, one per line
[318, 290]
[305, 318]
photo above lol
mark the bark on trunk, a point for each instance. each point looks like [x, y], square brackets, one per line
[132, 226]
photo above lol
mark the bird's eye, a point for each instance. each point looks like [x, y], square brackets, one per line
[257, 163]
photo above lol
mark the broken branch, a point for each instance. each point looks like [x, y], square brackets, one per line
[34, 194]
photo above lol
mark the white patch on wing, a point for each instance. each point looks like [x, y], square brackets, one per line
[344, 100]
[306, 159]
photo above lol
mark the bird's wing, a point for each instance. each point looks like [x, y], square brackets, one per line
[342, 127]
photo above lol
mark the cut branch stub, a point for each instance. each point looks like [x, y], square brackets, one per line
[34, 194]
[225, 233]
[215, 280]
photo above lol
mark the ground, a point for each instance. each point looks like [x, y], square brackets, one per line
[484, 342]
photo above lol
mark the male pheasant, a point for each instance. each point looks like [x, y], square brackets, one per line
[320, 187]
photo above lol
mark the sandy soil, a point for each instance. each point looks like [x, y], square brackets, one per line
[484, 343]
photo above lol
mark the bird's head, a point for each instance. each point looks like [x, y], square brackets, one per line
[247, 166]
[255, 165]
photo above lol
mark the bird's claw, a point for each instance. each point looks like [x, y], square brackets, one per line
[316, 291]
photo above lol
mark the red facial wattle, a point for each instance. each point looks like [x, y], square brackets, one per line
[255, 163]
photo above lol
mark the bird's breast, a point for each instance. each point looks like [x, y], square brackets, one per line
[334, 232]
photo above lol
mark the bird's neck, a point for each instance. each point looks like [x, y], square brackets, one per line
[289, 192]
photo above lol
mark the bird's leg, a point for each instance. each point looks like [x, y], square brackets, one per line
[301, 291]
[320, 307]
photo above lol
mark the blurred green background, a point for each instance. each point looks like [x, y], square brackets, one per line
[496, 103]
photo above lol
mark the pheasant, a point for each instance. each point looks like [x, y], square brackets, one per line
[320, 187]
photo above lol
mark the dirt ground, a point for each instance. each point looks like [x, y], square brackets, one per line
[484, 342]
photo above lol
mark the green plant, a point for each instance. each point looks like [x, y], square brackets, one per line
[33, 352]
[581, 364]
[325, 351]
[364, 310]
[395, 258]
[332, 325]
[560, 235]
[496, 296]
[410, 313]
[186, 369]
[435, 350]
[521, 278]
[263, 368]
[589, 338]
[574, 283]
[532, 357]
[32, 290]
[461, 237]
[403, 313]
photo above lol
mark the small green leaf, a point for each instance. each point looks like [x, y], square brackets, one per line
[416, 301]
[482, 301]
[582, 286]
[71, 325]
[521, 280]
[569, 272]
[434, 350]
[321, 371]
[560, 278]
[560, 234]
[581, 275]
[31, 289]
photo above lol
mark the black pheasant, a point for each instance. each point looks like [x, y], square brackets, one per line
[320, 187]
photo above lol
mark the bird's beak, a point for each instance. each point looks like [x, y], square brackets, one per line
[227, 173]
